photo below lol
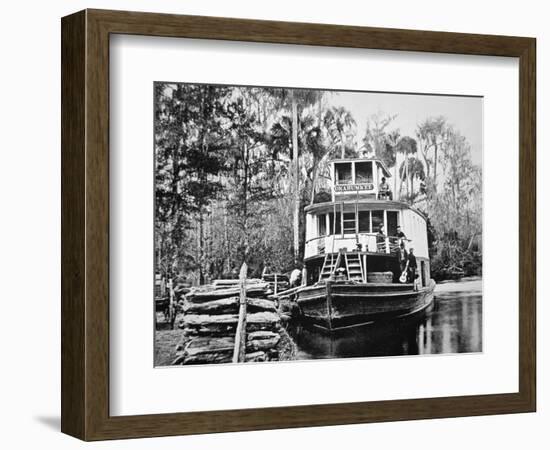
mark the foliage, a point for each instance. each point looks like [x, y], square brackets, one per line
[235, 167]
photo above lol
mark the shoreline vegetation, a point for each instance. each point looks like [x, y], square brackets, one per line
[235, 167]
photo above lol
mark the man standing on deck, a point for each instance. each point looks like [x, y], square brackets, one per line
[412, 265]
[381, 240]
[400, 235]
[402, 257]
[295, 278]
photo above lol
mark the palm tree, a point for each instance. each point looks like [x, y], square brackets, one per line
[405, 146]
[392, 140]
[411, 169]
[339, 124]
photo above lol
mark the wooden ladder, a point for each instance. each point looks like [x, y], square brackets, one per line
[328, 267]
[354, 266]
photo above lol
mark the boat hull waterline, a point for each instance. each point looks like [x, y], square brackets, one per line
[337, 305]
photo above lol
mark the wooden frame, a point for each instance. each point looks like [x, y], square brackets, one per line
[85, 224]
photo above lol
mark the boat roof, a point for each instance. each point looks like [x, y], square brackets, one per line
[376, 160]
[371, 204]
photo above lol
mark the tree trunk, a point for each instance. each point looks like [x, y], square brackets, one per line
[296, 164]
[226, 240]
[313, 180]
[407, 173]
[435, 168]
[245, 202]
[395, 179]
[200, 246]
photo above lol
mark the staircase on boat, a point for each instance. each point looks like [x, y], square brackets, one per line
[354, 267]
[352, 263]
[329, 265]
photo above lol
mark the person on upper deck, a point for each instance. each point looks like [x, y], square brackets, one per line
[401, 237]
[384, 191]
[381, 240]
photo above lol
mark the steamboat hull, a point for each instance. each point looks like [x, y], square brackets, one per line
[338, 305]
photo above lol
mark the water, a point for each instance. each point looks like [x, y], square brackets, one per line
[452, 325]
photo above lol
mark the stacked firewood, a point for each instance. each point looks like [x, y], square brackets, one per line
[380, 277]
[210, 319]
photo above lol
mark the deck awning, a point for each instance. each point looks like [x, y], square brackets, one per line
[326, 207]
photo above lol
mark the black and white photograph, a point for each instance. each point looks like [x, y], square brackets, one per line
[299, 224]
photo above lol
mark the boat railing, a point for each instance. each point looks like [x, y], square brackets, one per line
[369, 242]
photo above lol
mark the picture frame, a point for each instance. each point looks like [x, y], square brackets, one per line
[85, 224]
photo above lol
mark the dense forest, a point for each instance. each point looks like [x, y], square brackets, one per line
[235, 166]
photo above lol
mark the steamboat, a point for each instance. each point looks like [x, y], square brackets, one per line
[366, 255]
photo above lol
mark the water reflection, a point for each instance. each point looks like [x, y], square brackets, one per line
[453, 325]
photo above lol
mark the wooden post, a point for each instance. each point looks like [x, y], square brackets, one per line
[240, 335]
[172, 306]
[276, 285]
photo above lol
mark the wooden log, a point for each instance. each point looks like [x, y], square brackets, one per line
[234, 282]
[229, 305]
[259, 335]
[198, 320]
[262, 344]
[201, 345]
[220, 345]
[201, 295]
[206, 358]
[255, 357]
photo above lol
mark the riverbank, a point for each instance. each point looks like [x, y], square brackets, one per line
[467, 284]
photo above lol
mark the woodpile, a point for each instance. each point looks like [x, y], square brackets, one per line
[380, 277]
[211, 319]
[213, 292]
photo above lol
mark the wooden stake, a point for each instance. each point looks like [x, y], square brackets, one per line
[240, 335]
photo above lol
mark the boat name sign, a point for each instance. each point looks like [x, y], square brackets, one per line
[353, 187]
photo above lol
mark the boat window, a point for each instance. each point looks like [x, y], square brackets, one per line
[363, 172]
[377, 220]
[343, 173]
[321, 225]
[349, 223]
[364, 222]
[332, 222]
[392, 223]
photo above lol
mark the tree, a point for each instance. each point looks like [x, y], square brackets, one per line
[431, 134]
[340, 127]
[189, 144]
[411, 169]
[406, 146]
[376, 138]
[295, 100]
[456, 209]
